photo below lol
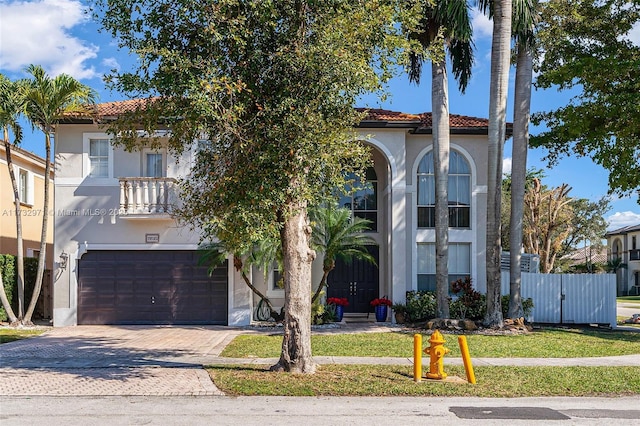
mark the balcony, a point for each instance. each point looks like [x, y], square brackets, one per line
[634, 254]
[146, 197]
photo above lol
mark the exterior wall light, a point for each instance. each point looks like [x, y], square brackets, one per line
[64, 259]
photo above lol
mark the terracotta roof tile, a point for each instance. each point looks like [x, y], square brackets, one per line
[425, 118]
[113, 109]
[376, 114]
[421, 121]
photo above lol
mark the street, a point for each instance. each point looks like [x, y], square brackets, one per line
[219, 410]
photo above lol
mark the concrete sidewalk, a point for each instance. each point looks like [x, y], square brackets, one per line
[612, 361]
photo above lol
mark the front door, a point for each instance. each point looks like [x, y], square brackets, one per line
[357, 281]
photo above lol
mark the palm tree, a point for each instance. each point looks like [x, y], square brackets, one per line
[262, 255]
[47, 101]
[339, 236]
[334, 233]
[448, 19]
[11, 106]
[523, 28]
[500, 56]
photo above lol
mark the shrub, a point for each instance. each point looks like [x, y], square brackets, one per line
[421, 306]
[8, 270]
[527, 306]
[469, 304]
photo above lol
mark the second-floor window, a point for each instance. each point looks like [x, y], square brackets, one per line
[99, 157]
[362, 198]
[23, 186]
[154, 166]
[459, 192]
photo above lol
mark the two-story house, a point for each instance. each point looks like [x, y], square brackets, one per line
[624, 244]
[29, 171]
[130, 261]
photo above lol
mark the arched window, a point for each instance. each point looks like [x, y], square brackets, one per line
[362, 197]
[459, 190]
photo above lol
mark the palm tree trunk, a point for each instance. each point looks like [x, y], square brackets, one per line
[500, 54]
[19, 243]
[323, 283]
[440, 111]
[43, 236]
[521, 118]
[297, 258]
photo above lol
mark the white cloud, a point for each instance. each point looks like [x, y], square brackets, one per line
[111, 63]
[506, 166]
[634, 34]
[38, 32]
[622, 219]
[482, 25]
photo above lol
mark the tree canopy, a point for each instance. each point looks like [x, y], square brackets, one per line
[268, 88]
[269, 85]
[587, 49]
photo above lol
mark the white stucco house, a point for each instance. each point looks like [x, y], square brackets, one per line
[624, 244]
[130, 263]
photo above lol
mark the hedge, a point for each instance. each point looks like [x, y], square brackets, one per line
[8, 267]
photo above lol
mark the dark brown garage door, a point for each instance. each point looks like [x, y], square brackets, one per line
[150, 287]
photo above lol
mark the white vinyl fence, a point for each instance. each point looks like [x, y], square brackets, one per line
[569, 298]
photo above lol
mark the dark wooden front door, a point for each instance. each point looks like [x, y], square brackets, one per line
[358, 281]
[150, 287]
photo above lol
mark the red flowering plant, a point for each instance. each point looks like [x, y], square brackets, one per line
[381, 301]
[338, 301]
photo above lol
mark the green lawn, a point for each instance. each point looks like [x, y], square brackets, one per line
[546, 343]
[11, 334]
[627, 300]
[376, 380]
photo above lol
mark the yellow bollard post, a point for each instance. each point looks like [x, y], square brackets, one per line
[466, 359]
[417, 357]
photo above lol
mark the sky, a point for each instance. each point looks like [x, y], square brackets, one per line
[61, 37]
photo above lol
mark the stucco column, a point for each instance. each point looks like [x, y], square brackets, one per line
[399, 252]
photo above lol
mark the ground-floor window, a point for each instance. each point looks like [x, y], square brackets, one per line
[459, 264]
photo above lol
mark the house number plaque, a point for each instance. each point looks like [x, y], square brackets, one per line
[152, 238]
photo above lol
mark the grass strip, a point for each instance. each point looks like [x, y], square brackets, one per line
[12, 334]
[383, 380]
[546, 343]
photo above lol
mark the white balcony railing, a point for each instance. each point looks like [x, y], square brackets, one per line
[146, 195]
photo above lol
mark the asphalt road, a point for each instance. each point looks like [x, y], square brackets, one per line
[309, 411]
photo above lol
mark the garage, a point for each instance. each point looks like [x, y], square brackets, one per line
[150, 287]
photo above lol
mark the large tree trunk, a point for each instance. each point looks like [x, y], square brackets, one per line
[440, 111]
[43, 236]
[297, 257]
[521, 118]
[500, 53]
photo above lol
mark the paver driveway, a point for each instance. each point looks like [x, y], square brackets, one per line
[113, 360]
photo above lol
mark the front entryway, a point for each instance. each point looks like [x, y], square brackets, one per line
[150, 287]
[358, 281]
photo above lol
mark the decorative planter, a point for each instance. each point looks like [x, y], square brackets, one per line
[381, 313]
[339, 312]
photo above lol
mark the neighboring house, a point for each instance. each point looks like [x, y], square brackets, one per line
[130, 262]
[29, 173]
[624, 244]
[583, 259]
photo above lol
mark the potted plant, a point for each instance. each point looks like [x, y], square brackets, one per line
[338, 304]
[400, 312]
[381, 305]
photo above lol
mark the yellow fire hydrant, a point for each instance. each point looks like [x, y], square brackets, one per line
[436, 351]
